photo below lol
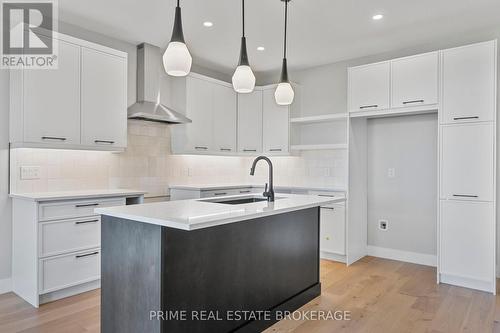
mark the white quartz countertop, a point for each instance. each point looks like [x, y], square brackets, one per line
[211, 187]
[69, 195]
[198, 213]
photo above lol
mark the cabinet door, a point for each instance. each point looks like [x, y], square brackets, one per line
[469, 76]
[199, 110]
[224, 121]
[467, 240]
[332, 229]
[104, 99]
[52, 100]
[369, 87]
[250, 122]
[467, 162]
[415, 80]
[276, 125]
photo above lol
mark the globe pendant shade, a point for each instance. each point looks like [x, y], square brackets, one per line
[177, 60]
[284, 94]
[243, 79]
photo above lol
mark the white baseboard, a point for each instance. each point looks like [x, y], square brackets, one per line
[468, 282]
[5, 286]
[406, 256]
[332, 256]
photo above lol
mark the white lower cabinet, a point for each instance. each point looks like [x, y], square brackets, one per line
[332, 229]
[467, 244]
[56, 246]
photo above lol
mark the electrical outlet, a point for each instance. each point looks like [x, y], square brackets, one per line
[30, 172]
[391, 172]
[383, 225]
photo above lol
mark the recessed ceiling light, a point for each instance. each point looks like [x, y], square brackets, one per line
[378, 17]
[208, 24]
[261, 48]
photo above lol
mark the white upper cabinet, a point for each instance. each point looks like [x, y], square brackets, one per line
[467, 162]
[104, 99]
[415, 80]
[469, 83]
[81, 104]
[275, 125]
[224, 118]
[199, 109]
[369, 87]
[250, 122]
[51, 100]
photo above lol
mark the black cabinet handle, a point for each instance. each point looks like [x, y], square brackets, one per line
[326, 195]
[414, 101]
[369, 106]
[104, 141]
[465, 196]
[247, 191]
[53, 138]
[275, 149]
[250, 150]
[220, 193]
[201, 148]
[87, 205]
[85, 222]
[330, 208]
[86, 255]
[225, 149]
[464, 118]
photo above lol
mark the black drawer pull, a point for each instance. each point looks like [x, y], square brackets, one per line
[330, 208]
[275, 149]
[250, 150]
[465, 196]
[53, 138]
[220, 193]
[415, 101]
[201, 148]
[464, 118]
[104, 141]
[87, 205]
[85, 222]
[86, 255]
[246, 191]
[326, 195]
[369, 106]
[225, 149]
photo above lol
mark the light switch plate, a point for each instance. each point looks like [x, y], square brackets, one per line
[30, 172]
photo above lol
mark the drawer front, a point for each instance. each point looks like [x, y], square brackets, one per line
[226, 192]
[69, 270]
[76, 208]
[56, 237]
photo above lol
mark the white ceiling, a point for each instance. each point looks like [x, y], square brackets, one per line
[320, 31]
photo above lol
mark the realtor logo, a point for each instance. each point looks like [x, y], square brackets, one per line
[27, 34]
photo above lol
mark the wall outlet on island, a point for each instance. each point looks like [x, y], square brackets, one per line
[391, 172]
[383, 225]
[30, 172]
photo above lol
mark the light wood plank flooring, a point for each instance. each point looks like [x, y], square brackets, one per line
[382, 296]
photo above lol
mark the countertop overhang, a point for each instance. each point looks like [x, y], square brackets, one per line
[198, 213]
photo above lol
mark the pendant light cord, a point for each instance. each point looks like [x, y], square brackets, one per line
[286, 24]
[178, 1]
[243, 15]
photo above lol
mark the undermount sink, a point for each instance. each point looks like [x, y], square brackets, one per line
[236, 201]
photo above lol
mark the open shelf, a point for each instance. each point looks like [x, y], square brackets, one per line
[319, 119]
[329, 146]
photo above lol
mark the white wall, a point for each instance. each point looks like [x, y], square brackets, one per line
[5, 204]
[409, 200]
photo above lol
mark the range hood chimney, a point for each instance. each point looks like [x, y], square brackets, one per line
[148, 106]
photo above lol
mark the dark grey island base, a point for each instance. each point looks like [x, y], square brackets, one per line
[265, 264]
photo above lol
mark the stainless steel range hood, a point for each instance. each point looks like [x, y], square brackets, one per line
[148, 106]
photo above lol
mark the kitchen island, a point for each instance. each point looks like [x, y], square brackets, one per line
[209, 265]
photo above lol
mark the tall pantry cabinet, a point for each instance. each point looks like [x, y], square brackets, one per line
[467, 164]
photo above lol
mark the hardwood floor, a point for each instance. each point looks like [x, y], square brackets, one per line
[381, 295]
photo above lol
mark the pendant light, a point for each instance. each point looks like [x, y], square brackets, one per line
[177, 60]
[284, 92]
[243, 78]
